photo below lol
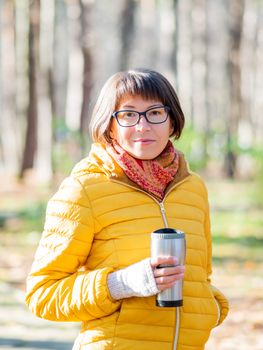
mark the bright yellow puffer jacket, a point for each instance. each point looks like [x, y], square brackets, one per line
[100, 221]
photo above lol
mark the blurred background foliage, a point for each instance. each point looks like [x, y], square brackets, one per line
[56, 55]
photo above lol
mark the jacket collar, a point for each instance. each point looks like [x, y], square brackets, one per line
[99, 161]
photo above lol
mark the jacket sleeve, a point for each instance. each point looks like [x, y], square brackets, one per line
[58, 287]
[219, 296]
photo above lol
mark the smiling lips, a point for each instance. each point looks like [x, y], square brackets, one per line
[144, 141]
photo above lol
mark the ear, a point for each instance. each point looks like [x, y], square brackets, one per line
[171, 128]
[112, 132]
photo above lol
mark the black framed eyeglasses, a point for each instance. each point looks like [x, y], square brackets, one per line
[154, 115]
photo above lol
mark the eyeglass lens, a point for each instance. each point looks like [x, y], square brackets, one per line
[154, 116]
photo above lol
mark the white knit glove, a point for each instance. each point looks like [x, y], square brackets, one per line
[136, 280]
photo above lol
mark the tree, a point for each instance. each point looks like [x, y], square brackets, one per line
[60, 53]
[236, 12]
[199, 72]
[33, 59]
[43, 157]
[87, 83]
[174, 63]
[256, 98]
[127, 20]
[8, 122]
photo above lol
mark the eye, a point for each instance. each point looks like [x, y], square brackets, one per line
[155, 112]
[129, 114]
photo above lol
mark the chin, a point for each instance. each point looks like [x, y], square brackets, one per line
[144, 156]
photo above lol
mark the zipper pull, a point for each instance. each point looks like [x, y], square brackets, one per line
[163, 214]
[162, 208]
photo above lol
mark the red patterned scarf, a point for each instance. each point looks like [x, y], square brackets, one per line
[151, 175]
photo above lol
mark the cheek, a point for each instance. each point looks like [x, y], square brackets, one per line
[117, 133]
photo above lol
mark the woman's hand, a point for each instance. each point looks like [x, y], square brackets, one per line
[166, 277]
[144, 278]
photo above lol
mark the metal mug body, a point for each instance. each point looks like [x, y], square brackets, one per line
[169, 242]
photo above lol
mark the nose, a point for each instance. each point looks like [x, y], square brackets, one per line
[142, 124]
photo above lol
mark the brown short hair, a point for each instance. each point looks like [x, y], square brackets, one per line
[144, 82]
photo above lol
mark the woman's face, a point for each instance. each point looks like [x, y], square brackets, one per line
[144, 140]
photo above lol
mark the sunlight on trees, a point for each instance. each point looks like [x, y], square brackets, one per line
[55, 55]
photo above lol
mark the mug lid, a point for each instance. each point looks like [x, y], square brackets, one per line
[167, 233]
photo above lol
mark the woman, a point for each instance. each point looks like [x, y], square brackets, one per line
[93, 262]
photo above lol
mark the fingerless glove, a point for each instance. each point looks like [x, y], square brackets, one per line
[136, 280]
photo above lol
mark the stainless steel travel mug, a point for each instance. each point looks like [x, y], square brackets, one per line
[169, 242]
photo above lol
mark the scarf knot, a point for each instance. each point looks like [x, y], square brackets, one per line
[153, 175]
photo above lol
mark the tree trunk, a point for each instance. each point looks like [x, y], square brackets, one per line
[8, 123]
[146, 33]
[198, 68]
[256, 114]
[127, 20]
[87, 83]
[1, 91]
[33, 59]
[174, 63]
[22, 93]
[43, 159]
[59, 73]
[236, 10]
[184, 56]
[208, 85]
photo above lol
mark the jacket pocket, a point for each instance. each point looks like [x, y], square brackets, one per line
[215, 307]
[218, 312]
[222, 303]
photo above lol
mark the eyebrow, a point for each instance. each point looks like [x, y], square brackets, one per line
[154, 105]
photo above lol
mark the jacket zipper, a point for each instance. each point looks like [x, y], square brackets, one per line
[163, 213]
[177, 325]
[160, 204]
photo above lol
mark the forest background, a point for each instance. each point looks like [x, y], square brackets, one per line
[54, 57]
